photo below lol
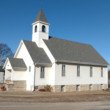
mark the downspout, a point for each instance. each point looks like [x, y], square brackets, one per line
[34, 77]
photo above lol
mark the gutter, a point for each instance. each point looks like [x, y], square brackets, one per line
[83, 63]
[19, 69]
[43, 64]
[34, 78]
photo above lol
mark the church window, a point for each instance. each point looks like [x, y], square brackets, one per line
[78, 70]
[91, 71]
[101, 71]
[42, 72]
[35, 28]
[63, 69]
[43, 28]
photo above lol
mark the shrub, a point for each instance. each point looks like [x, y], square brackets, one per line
[3, 88]
[42, 90]
[48, 88]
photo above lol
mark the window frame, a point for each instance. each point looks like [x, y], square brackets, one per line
[42, 72]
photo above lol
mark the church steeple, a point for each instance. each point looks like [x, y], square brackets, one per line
[40, 28]
[41, 17]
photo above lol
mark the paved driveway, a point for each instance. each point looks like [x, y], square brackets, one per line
[55, 106]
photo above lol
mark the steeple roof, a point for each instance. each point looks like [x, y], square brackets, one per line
[41, 17]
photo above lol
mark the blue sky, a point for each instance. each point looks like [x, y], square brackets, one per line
[86, 21]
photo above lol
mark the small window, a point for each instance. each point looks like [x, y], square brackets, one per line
[63, 69]
[91, 71]
[29, 68]
[62, 88]
[42, 72]
[101, 71]
[101, 86]
[98, 86]
[35, 28]
[78, 70]
[90, 87]
[43, 28]
[77, 87]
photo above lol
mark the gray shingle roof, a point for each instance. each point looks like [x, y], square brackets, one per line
[41, 17]
[17, 64]
[73, 52]
[37, 54]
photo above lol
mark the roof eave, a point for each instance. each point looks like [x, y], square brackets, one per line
[46, 23]
[19, 69]
[83, 63]
[43, 64]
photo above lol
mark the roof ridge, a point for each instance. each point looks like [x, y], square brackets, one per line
[69, 40]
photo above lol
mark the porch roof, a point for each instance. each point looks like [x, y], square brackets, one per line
[17, 64]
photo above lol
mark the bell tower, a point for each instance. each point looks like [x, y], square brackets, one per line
[40, 28]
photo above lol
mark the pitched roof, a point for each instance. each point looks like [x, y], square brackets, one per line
[37, 54]
[41, 16]
[17, 64]
[73, 52]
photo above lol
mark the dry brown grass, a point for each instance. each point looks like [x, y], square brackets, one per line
[55, 97]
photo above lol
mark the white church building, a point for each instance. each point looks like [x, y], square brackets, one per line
[61, 64]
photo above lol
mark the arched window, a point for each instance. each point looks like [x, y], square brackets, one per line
[35, 28]
[43, 28]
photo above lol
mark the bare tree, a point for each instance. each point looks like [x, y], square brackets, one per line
[5, 52]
